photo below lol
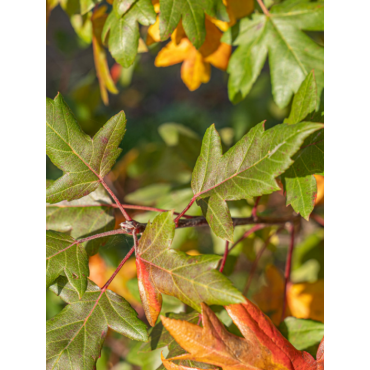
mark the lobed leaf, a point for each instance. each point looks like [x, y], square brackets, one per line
[123, 38]
[84, 160]
[299, 182]
[263, 347]
[75, 336]
[292, 54]
[65, 255]
[192, 14]
[192, 279]
[89, 215]
[246, 170]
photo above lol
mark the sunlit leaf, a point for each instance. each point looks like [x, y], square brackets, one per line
[123, 38]
[192, 14]
[292, 54]
[192, 279]
[246, 170]
[75, 336]
[84, 161]
[263, 347]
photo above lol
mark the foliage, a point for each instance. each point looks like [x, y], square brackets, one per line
[191, 245]
[196, 29]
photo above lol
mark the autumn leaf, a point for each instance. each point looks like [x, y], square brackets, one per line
[192, 279]
[101, 65]
[196, 68]
[246, 170]
[84, 161]
[263, 346]
[304, 300]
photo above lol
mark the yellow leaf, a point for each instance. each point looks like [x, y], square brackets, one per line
[236, 9]
[220, 58]
[172, 54]
[304, 301]
[194, 71]
[142, 48]
[100, 59]
[153, 33]
[320, 189]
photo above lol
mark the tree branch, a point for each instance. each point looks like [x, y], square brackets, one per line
[223, 261]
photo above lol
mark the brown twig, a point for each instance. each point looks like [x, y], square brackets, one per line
[263, 7]
[258, 257]
[288, 268]
[185, 210]
[223, 261]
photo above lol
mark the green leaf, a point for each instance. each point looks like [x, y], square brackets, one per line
[299, 182]
[122, 6]
[89, 215]
[65, 256]
[192, 279]
[192, 14]
[75, 336]
[86, 5]
[123, 38]
[84, 161]
[247, 170]
[292, 54]
[159, 337]
[305, 101]
[305, 335]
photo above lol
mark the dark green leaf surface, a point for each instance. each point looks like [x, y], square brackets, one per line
[75, 336]
[92, 214]
[84, 161]
[305, 335]
[192, 279]
[192, 14]
[299, 182]
[65, 255]
[159, 337]
[292, 54]
[246, 170]
[123, 38]
[122, 6]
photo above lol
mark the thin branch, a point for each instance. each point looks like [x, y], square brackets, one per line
[223, 261]
[258, 257]
[120, 266]
[185, 210]
[114, 205]
[247, 233]
[254, 210]
[288, 268]
[263, 7]
[107, 188]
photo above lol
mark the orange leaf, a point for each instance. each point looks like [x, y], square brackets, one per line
[320, 356]
[169, 365]
[320, 189]
[263, 346]
[172, 54]
[100, 59]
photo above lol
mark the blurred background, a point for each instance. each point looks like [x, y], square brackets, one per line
[165, 125]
